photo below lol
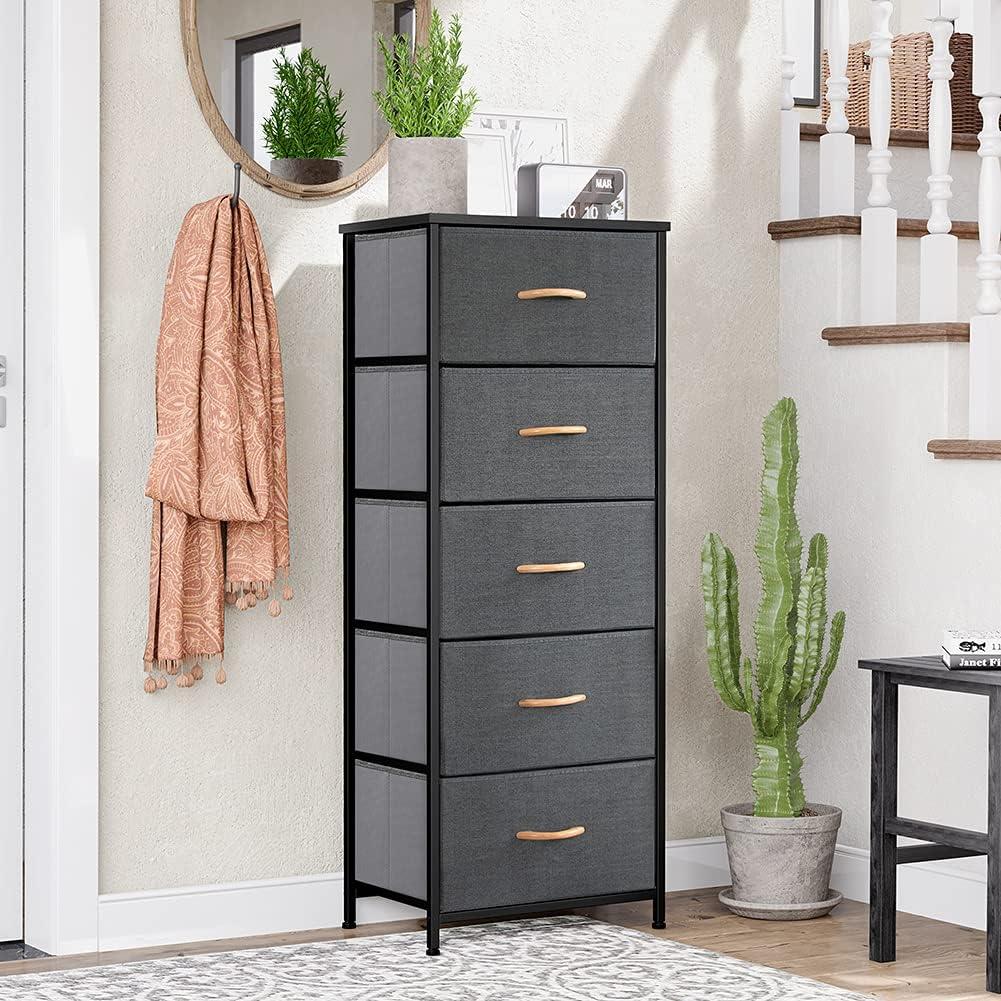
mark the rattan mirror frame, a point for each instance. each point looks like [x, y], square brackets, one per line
[226, 139]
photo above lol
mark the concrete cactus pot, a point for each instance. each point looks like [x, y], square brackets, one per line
[780, 866]
[427, 175]
[306, 169]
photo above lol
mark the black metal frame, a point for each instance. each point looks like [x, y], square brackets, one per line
[941, 842]
[353, 889]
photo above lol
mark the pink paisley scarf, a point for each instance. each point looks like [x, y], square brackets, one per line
[218, 475]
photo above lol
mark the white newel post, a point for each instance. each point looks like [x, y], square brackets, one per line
[837, 147]
[879, 220]
[940, 248]
[789, 135]
[985, 327]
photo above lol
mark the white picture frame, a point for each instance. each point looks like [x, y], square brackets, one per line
[805, 41]
[532, 137]
[490, 190]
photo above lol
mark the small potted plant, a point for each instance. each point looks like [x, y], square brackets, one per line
[780, 847]
[304, 132]
[426, 108]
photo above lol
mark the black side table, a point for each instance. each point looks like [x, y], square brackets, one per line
[943, 842]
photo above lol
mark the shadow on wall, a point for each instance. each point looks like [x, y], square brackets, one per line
[697, 123]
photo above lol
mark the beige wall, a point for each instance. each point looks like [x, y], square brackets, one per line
[243, 782]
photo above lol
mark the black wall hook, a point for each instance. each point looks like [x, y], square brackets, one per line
[236, 186]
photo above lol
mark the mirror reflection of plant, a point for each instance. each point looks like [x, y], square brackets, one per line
[423, 95]
[306, 118]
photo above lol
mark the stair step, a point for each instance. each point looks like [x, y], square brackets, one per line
[851, 225]
[898, 333]
[812, 131]
[965, 448]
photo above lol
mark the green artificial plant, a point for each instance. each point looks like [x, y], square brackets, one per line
[787, 683]
[306, 119]
[423, 95]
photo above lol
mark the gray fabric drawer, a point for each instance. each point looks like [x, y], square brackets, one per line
[390, 297]
[482, 320]
[391, 428]
[483, 729]
[483, 864]
[483, 595]
[390, 695]
[484, 458]
[390, 562]
[391, 829]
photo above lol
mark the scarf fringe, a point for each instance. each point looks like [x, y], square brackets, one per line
[188, 670]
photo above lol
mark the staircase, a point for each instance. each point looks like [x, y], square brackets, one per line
[867, 221]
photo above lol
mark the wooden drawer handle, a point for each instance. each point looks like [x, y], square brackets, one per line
[555, 429]
[564, 700]
[550, 567]
[552, 293]
[570, 832]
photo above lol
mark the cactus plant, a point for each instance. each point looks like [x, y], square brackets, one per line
[783, 689]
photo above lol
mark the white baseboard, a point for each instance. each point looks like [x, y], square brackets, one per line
[953, 891]
[233, 910]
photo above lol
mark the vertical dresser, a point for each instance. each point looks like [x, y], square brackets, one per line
[504, 584]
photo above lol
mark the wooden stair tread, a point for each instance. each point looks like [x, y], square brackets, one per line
[812, 131]
[851, 225]
[965, 448]
[898, 333]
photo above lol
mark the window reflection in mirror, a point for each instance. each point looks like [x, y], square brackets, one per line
[241, 39]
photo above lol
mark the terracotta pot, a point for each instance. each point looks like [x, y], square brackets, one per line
[306, 169]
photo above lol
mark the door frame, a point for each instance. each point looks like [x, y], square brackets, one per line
[62, 462]
[12, 458]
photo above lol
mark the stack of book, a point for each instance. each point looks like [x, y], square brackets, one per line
[972, 649]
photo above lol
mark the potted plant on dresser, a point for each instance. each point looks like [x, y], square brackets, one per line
[780, 847]
[426, 108]
[304, 131]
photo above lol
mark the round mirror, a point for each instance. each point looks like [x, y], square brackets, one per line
[286, 85]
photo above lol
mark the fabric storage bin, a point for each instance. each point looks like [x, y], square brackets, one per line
[391, 428]
[483, 320]
[609, 451]
[484, 594]
[390, 562]
[391, 695]
[485, 864]
[390, 294]
[391, 828]
[485, 727]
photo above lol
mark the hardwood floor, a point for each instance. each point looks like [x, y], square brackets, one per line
[934, 960]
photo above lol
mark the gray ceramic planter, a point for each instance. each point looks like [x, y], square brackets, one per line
[780, 867]
[427, 175]
[306, 169]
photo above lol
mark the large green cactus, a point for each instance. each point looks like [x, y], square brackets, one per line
[785, 687]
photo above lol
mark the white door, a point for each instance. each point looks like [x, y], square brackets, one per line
[11, 469]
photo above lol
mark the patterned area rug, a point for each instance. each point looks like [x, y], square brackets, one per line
[542, 959]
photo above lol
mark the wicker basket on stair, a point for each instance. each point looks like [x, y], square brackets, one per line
[910, 86]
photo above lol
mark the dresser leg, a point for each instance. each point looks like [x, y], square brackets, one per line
[883, 805]
[434, 937]
[659, 915]
[350, 906]
[994, 844]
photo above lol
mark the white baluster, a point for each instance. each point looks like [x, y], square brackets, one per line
[837, 147]
[789, 134]
[985, 327]
[879, 220]
[940, 248]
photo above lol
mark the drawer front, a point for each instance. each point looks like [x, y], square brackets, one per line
[483, 594]
[391, 428]
[484, 864]
[485, 729]
[483, 320]
[484, 457]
